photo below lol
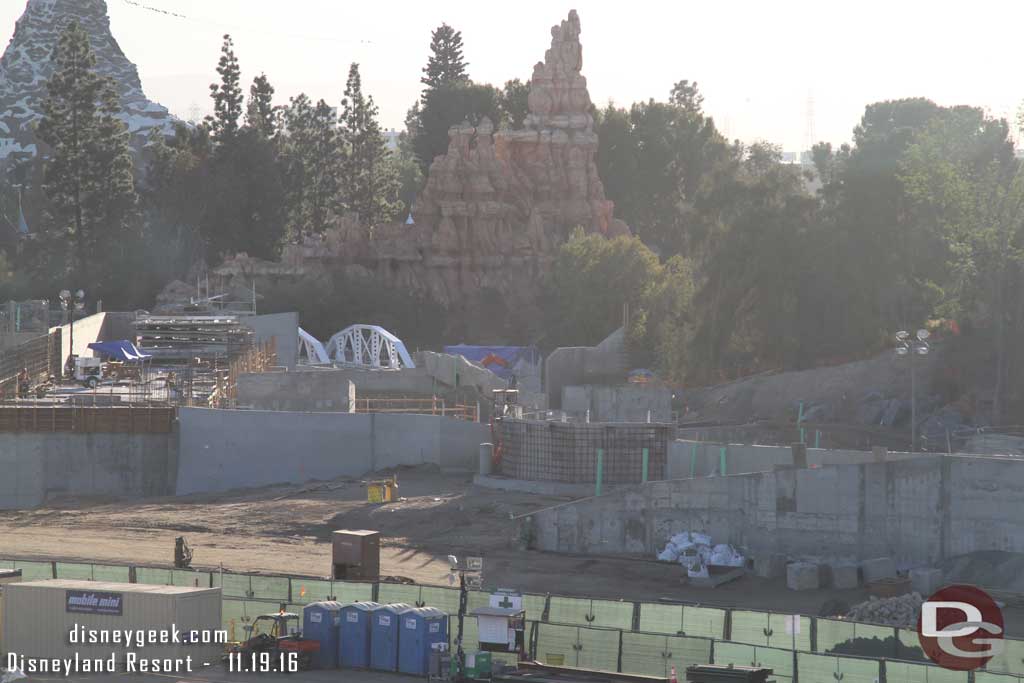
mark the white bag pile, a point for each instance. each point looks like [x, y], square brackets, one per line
[695, 551]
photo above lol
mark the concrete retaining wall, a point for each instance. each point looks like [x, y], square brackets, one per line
[230, 449]
[314, 391]
[619, 403]
[702, 458]
[918, 510]
[34, 467]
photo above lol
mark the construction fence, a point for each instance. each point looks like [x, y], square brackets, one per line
[630, 637]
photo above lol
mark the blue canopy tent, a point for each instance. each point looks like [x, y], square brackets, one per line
[122, 350]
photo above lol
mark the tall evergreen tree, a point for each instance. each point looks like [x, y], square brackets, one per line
[227, 95]
[312, 156]
[89, 177]
[445, 65]
[369, 180]
[261, 115]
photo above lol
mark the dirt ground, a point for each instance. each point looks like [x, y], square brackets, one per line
[286, 529]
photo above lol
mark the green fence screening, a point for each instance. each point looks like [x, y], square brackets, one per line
[591, 633]
[569, 610]
[824, 668]
[1010, 659]
[33, 571]
[990, 677]
[771, 630]
[907, 672]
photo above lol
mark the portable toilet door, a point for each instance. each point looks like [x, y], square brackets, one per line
[420, 629]
[384, 636]
[354, 634]
[320, 621]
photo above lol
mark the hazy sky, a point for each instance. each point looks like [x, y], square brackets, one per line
[757, 62]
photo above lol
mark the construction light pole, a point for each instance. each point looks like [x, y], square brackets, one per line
[917, 346]
[70, 303]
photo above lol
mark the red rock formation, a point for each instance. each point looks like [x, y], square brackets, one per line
[494, 208]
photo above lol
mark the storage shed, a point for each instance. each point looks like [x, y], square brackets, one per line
[421, 628]
[59, 618]
[354, 634]
[384, 622]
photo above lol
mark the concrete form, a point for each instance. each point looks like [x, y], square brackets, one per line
[315, 391]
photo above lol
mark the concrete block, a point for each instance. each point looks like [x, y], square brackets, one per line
[802, 576]
[926, 580]
[844, 575]
[770, 565]
[878, 568]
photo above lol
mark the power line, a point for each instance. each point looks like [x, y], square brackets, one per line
[220, 24]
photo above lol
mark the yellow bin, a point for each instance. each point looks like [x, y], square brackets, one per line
[379, 491]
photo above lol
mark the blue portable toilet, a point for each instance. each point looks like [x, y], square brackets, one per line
[320, 621]
[384, 636]
[354, 634]
[419, 630]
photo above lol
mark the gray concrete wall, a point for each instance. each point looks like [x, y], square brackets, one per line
[618, 403]
[283, 328]
[706, 458]
[577, 365]
[229, 449]
[315, 391]
[918, 511]
[88, 329]
[36, 466]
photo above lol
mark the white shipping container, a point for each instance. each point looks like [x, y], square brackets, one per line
[97, 620]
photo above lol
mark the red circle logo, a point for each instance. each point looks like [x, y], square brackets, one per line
[960, 628]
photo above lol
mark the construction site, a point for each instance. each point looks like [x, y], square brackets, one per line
[346, 505]
[224, 451]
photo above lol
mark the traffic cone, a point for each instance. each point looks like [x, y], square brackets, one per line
[672, 678]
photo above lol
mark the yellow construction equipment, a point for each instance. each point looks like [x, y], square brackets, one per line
[381, 490]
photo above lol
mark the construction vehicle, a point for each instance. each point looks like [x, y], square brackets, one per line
[88, 371]
[182, 553]
[275, 640]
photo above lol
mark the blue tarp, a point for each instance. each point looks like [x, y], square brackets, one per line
[501, 360]
[122, 350]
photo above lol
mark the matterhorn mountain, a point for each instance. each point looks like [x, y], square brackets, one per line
[27, 65]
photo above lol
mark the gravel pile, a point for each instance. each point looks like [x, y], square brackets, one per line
[902, 610]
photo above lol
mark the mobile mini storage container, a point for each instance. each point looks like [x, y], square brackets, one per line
[320, 622]
[384, 636]
[354, 634]
[421, 628]
[43, 619]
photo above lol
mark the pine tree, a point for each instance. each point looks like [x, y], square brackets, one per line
[89, 176]
[261, 115]
[445, 65]
[369, 182]
[227, 96]
[312, 156]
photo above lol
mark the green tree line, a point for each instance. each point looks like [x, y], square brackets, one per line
[738, 263]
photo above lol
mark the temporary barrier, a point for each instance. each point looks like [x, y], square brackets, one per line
[590, 632]
[771, 630]
[653, 654]
[384, 634]
[354, 634]
[320, 622]
[420, 628]
[812, 667]
[908, 672]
